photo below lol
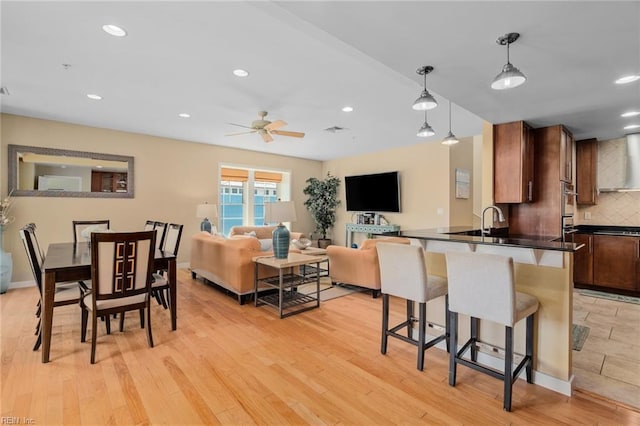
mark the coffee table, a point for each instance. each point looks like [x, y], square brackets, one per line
[287, 299]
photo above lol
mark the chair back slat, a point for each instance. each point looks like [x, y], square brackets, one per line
[149, 225]
[121, 263]
[34, 255]
[172, 238]
[81, 225]
[161, 229]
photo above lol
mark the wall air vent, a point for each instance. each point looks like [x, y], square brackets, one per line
[335, 129]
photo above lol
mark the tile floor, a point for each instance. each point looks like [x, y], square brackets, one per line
[609, 362]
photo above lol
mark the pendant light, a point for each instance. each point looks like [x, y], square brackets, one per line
[425, 101]
[426, 130]
[510, 76]
[450, 139]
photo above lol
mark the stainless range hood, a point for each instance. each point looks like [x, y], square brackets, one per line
[631, 164]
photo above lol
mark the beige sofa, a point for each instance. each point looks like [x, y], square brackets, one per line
[227, 262]
[359, 266]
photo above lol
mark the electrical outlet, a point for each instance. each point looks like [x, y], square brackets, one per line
[587, 215]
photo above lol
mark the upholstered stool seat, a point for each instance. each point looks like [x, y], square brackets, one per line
[482, 286]
[403, 273]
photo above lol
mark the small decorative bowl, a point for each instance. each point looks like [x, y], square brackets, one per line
[302, 243]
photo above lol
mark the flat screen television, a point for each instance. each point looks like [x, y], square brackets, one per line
[378, 192]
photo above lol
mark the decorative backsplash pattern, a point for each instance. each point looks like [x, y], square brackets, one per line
[613, 208]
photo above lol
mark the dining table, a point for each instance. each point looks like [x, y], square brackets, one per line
[72, 262]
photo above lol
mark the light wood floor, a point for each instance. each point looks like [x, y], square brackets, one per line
[232, 364]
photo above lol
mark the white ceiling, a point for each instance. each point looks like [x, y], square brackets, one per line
[309, 59]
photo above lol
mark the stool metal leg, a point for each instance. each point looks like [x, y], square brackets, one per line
[409, 317]
[422, 330]
[453, 346]
[474, 336]
[447, 328]
[508, 363]
[385, 322]
[529, 348]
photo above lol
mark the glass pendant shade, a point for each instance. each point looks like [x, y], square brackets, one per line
[425, 102]
[450, 139]
[425, 131]
[509, 78]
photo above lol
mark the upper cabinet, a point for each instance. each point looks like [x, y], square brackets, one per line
[566, 153]
[513, 165]
[587, 171]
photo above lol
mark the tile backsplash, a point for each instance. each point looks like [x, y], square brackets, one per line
[613, 208]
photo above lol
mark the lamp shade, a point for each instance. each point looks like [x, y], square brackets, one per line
[279, 211]
[206, 211]
[425, 102]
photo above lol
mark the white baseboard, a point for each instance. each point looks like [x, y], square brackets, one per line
[564, 387]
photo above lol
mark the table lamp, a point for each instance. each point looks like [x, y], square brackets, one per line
[206, 211]
[278, 212]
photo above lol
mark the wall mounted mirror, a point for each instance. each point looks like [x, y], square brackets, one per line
[48, 172]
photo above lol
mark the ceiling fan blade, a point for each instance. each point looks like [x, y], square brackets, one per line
[240, 125]
[287, 133]
[241, 133]
[266, 137]
[275, 125]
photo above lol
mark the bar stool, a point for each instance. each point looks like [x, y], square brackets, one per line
[482, 287]
[403, 273]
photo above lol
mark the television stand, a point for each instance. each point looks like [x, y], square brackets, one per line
[367, 229]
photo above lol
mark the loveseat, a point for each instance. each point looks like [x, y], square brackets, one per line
[227, 262]
[359, 266]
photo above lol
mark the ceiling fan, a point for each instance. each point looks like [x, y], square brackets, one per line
[266, 128]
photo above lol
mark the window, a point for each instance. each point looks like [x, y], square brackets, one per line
[260, 186]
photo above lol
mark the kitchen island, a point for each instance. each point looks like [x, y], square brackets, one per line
[543, 268]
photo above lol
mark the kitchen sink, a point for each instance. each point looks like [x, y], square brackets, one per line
[494, 232]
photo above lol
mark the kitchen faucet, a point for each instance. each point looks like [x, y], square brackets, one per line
[500, 219]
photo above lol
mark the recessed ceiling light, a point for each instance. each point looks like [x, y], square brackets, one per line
[630, 114]
[184, 115]
[240, 72]
[347, 109]
[114, 30]
[94, 96]
[632, 126]
[628, 79]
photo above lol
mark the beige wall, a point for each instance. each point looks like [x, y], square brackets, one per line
[171, 178]
[461, 157]
[424, 184]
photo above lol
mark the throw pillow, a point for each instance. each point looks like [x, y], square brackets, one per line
[266, 244]
[250, 234]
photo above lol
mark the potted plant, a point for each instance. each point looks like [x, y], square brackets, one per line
[322, 202]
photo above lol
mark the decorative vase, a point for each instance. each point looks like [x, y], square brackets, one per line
[6, 267]
[324, 242]
[281, 241]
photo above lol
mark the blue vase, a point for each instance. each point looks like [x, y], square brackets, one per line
[6, 267]
[281, 241]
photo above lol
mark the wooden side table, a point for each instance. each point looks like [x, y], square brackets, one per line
[287, 300]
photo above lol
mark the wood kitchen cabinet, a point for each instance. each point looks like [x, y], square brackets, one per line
[566, 152]
[513, 167]
[583, 259]
[108, 182]
[587, 171]
[616, 262]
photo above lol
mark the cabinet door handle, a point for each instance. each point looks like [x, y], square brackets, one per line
[530, 185]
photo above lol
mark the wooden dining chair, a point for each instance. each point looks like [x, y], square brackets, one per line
[161, 230]
[66, 293]
[81, 225]
[149, 225]
[170, 244]
[121, 274]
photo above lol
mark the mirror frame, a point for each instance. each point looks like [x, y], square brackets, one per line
[13, 173]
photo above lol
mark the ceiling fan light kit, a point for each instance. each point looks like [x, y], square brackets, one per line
[266, 128]
[510, 76]
[426, 101]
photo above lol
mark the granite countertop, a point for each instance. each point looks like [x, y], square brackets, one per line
[460, 234]
[631, 231]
